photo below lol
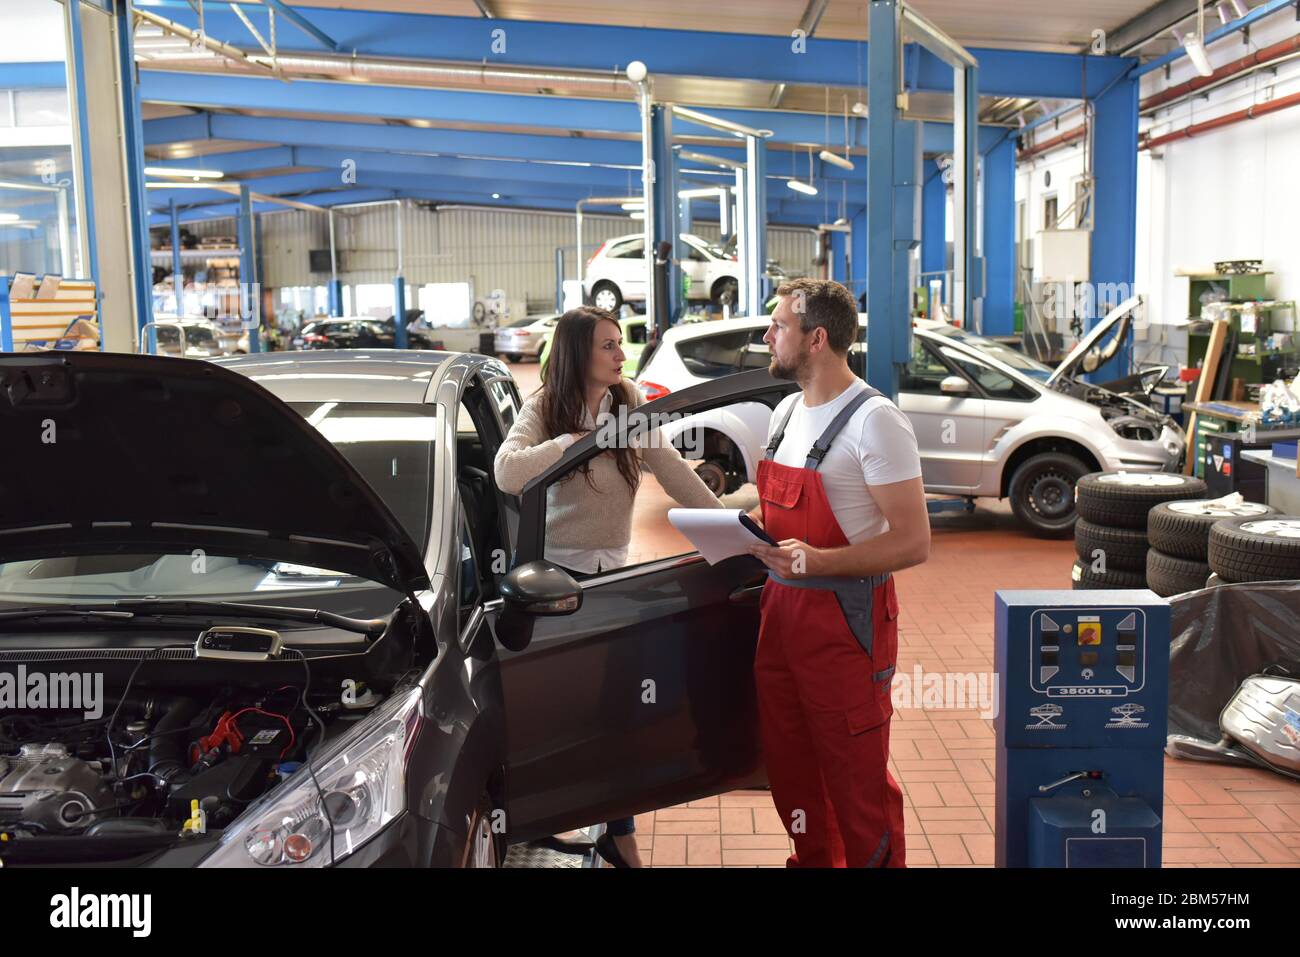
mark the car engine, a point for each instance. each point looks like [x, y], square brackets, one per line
[46, 788]
[146, 768]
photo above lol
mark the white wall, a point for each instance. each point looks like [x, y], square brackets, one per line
[1232, 193]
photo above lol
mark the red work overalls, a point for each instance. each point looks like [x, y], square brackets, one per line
[826, 654]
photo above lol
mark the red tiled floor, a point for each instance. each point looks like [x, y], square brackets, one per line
[1214, 814]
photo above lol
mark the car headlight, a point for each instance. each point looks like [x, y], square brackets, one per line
[362, 777]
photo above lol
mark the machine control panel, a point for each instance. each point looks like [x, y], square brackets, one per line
[1077, 652]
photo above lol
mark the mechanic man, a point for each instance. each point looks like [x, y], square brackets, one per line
[840, 491]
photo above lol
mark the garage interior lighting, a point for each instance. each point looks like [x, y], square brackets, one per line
[9, 217]
[633, 206]
[496, 195]
[636, 215]
[835, 159]
[799, 186]
[178, 173]
[1194, 44]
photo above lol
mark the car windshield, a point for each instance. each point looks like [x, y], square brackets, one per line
[714, 249]
[390, 445]
[1003, 353]
[198, 334]
[521, 323]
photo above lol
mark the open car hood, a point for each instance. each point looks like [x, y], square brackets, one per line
[1087, 356]
[114, 453]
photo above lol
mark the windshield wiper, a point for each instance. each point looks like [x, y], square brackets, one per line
[71, 611]
[129, 608]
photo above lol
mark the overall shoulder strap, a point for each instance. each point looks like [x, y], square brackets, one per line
[823, 444]
[779, 434]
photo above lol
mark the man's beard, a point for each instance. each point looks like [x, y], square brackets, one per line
[791, 372]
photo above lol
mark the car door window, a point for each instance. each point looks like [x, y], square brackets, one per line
[925, 371]
[712, 356]
[630, 250]
[505, 402]
[756, 354]
[992, 383]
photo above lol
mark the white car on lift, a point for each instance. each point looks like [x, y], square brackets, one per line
[989, 421]
[616, 272]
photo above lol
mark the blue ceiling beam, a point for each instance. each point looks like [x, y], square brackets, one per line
[1020, 73]
[562, 45]
[484, 169]
[345, 99]
[369, 99]
[683, 52]
[236, 161]
[371, 136]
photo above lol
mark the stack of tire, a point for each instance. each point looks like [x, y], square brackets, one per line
[1180, 534]
[1259, 548]
[1110, 536]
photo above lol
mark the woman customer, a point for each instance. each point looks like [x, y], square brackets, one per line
[589, 512]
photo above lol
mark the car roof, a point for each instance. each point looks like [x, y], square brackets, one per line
[343, 375]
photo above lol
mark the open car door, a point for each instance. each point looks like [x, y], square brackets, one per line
[644, 696]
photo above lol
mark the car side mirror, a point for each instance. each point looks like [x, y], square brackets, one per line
[536, 589]
[954, 385]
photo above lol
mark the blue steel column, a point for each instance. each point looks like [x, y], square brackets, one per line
[335, 284]
[663, 194]
[178, 272]
[893, 204]
[756, 223]
[999, 238]
[399, 288]
[1114, 231]
[934, 224]
[133, 146]
[250, 298]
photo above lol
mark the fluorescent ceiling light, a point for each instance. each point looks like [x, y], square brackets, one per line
[1195, 48]
[640, 204]
[9, 217]
[701, 193]
[636, 215]
[799, 186]
[183, 173]
[496, 195]
[835, 159]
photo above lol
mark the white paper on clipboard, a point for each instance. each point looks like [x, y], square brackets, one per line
[715, 532]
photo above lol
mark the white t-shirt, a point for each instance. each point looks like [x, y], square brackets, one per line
[875, 447]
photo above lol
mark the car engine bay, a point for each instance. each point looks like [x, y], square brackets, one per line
[145, 768]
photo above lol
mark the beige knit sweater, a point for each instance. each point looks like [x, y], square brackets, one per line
[576, 515]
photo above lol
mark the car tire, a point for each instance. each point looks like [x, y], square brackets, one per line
[725, 292]
[1124, 499]
[1122, 548]
[1084, 578]
[1042, 492]
[1182, 529]
[483, 848]
[1256, 549]
[606, 295]
[515, 357]
[1170, 575]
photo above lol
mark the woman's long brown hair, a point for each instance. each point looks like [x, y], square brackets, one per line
[564, 388]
